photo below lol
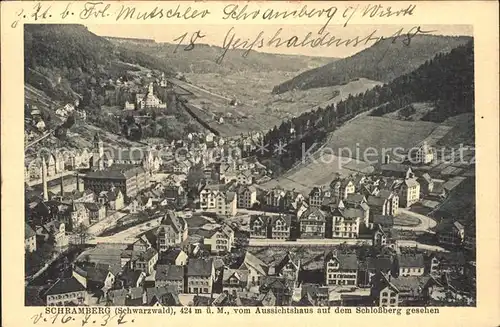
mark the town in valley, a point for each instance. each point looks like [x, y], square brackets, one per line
[162, 179]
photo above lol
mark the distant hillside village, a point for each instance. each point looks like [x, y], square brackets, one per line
[145, 228]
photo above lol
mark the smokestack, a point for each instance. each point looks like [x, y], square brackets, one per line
[62, 185]
[44, 180]
[79, 185]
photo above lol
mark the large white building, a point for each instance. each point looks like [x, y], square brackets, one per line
[149, 100]
[424, 154]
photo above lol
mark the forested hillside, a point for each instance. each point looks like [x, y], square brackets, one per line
[68, 63]
[446, 80]
[384, 61]
[62, 60]
[202, 58]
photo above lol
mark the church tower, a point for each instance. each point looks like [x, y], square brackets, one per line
[150, 88]
[98, 153]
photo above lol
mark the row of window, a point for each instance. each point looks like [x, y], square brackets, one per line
[341, 282]
[403, 270]
[198, 282]
[197, 290]
[342, 276]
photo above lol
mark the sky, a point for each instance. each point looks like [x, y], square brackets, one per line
[216, 34]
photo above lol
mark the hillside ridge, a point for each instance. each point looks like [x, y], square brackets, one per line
[383, 61]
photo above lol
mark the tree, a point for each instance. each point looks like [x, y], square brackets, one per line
[82, 233]
[195, 176]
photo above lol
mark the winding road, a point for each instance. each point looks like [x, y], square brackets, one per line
[426, 223]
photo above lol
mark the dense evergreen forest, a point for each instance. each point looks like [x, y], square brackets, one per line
[447, 80]
[384, 61]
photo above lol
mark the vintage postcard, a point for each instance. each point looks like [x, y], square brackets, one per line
[249, 163]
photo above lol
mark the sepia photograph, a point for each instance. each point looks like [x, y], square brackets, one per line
[226, 167]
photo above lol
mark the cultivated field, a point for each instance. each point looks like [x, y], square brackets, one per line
[377, 132]
[462, 132]
[318, 173]
[421, 109]
[351, 141]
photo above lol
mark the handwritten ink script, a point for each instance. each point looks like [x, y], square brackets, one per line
[232, 41]
[121, 12]
[75, 318]
[234, 13]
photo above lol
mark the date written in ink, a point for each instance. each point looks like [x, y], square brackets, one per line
[192, 40]
[81, 320]
[37, 13]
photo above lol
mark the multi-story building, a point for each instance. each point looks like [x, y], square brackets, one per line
[410, 264]
[170, 275]
[149, 100]
[200, 276]
[174, 257]
[445, 262]
[371, 267]
[208, 196]
[247, 196]
[312, 223]
[291, 201]
[226, 204]
[218, 240]
[387, 291]
[245, 177]
[341, 269]
[96, 211]
[384, 203]
[272, 198]
[273, 227]
[112, 199]
[281, 287]
[314, 295]
[129, 179]
[173, 231]
[55, 230]
[144, 261]
[65, 292]
[346, 222]
[409, 192]
[234, 280]
[259, 226]
[279, 227]
[175, 193]
[257, 269]
[450, 233]
[288, 267]
[424, 154]
[342, 187]
[316, 197]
